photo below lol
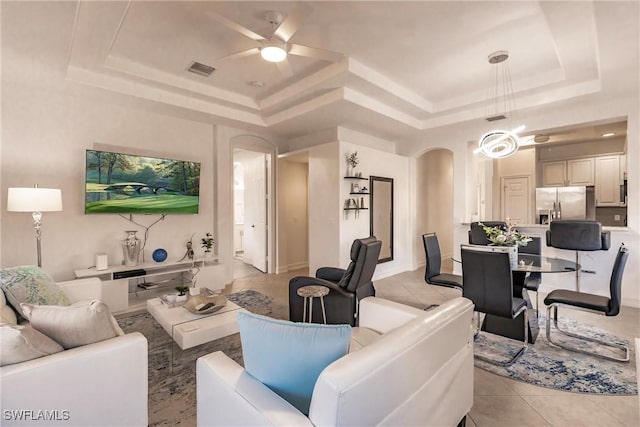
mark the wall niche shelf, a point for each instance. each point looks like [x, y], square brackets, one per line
[356, 202]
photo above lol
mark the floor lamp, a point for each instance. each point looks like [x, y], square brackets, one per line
[35, 200]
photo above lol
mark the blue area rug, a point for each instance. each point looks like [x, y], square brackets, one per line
[172, 395]
[548, 366]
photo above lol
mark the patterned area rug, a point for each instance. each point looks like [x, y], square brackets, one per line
[552, 367]
[172, 395]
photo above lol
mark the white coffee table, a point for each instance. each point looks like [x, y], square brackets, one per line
[188, 329]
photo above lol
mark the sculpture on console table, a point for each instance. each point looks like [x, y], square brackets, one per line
[131, 247]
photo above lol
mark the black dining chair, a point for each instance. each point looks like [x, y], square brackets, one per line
[477, 235]
[432, 274]
[486, 274]
[533, 280]
[593, 304]
[578, 236]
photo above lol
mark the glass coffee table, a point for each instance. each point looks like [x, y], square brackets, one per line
[188, 329]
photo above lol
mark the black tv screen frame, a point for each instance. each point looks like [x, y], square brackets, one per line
[120, 183]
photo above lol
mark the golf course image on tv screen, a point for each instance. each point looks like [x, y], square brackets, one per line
[130, 184]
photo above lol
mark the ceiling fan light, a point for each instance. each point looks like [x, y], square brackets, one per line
[273, 53]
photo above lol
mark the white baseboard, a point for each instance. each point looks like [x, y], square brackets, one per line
[298, 265]
[384, 271]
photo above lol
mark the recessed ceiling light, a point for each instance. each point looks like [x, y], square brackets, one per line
[256, 83]
[605, 135]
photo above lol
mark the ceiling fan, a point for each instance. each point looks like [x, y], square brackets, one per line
[276, 47]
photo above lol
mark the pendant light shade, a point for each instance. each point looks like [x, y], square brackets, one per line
[500, 143]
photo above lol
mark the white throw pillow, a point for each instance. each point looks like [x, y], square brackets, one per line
[72, 326]
[21, 343]
[7, 315]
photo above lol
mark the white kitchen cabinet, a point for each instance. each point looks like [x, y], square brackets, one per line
[580, 171]
[623, 167]
[568, 172]
[554, 174]
[607, 181]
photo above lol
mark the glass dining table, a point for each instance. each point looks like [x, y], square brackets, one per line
[527, 263]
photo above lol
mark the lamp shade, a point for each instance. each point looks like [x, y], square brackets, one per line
[34, 199]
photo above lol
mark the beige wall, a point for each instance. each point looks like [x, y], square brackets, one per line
[293, 249]
[434, 199]
[325, 206]
[376, 162]
[582, 149]
[522, 163]
[44, 137]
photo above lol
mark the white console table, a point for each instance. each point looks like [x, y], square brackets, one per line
[122, 294]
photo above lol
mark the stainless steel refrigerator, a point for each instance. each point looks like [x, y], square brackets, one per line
[564, 203]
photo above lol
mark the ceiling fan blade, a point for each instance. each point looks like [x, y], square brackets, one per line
[314, 52]
[285, 68]
[235, 26]
[237, 55]
[292, 22]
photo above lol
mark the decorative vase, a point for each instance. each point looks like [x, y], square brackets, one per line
[513, 256]
[181, 298]
[350, 170]
[207, 254]
[131, 247]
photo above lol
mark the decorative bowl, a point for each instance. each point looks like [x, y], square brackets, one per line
[194, 304]
[159, 255]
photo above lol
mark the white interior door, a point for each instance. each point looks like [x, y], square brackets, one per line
[255, 211]
[515, 205]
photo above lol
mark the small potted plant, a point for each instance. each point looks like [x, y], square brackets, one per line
[182, 293]
[207, 244]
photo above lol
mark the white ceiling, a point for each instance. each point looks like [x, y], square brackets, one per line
[407, 66]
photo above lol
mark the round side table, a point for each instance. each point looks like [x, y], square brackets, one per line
[308, 293]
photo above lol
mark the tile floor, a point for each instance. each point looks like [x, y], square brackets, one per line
[498, 401]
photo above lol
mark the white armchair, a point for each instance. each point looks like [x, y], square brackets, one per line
[412, 368]
[100, 384]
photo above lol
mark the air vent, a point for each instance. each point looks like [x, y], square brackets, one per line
[494, 118]
[201, 69]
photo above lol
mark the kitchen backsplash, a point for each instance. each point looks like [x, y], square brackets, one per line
[612, 216]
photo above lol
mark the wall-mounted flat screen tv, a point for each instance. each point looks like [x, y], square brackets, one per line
[130, 184]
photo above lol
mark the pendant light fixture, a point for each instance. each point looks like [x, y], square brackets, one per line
[501, 142]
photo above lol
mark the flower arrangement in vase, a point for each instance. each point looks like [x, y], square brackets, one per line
[352, 162]
[509, 237]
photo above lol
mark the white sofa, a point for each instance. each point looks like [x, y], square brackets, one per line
[100, 384]
[412, 368]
